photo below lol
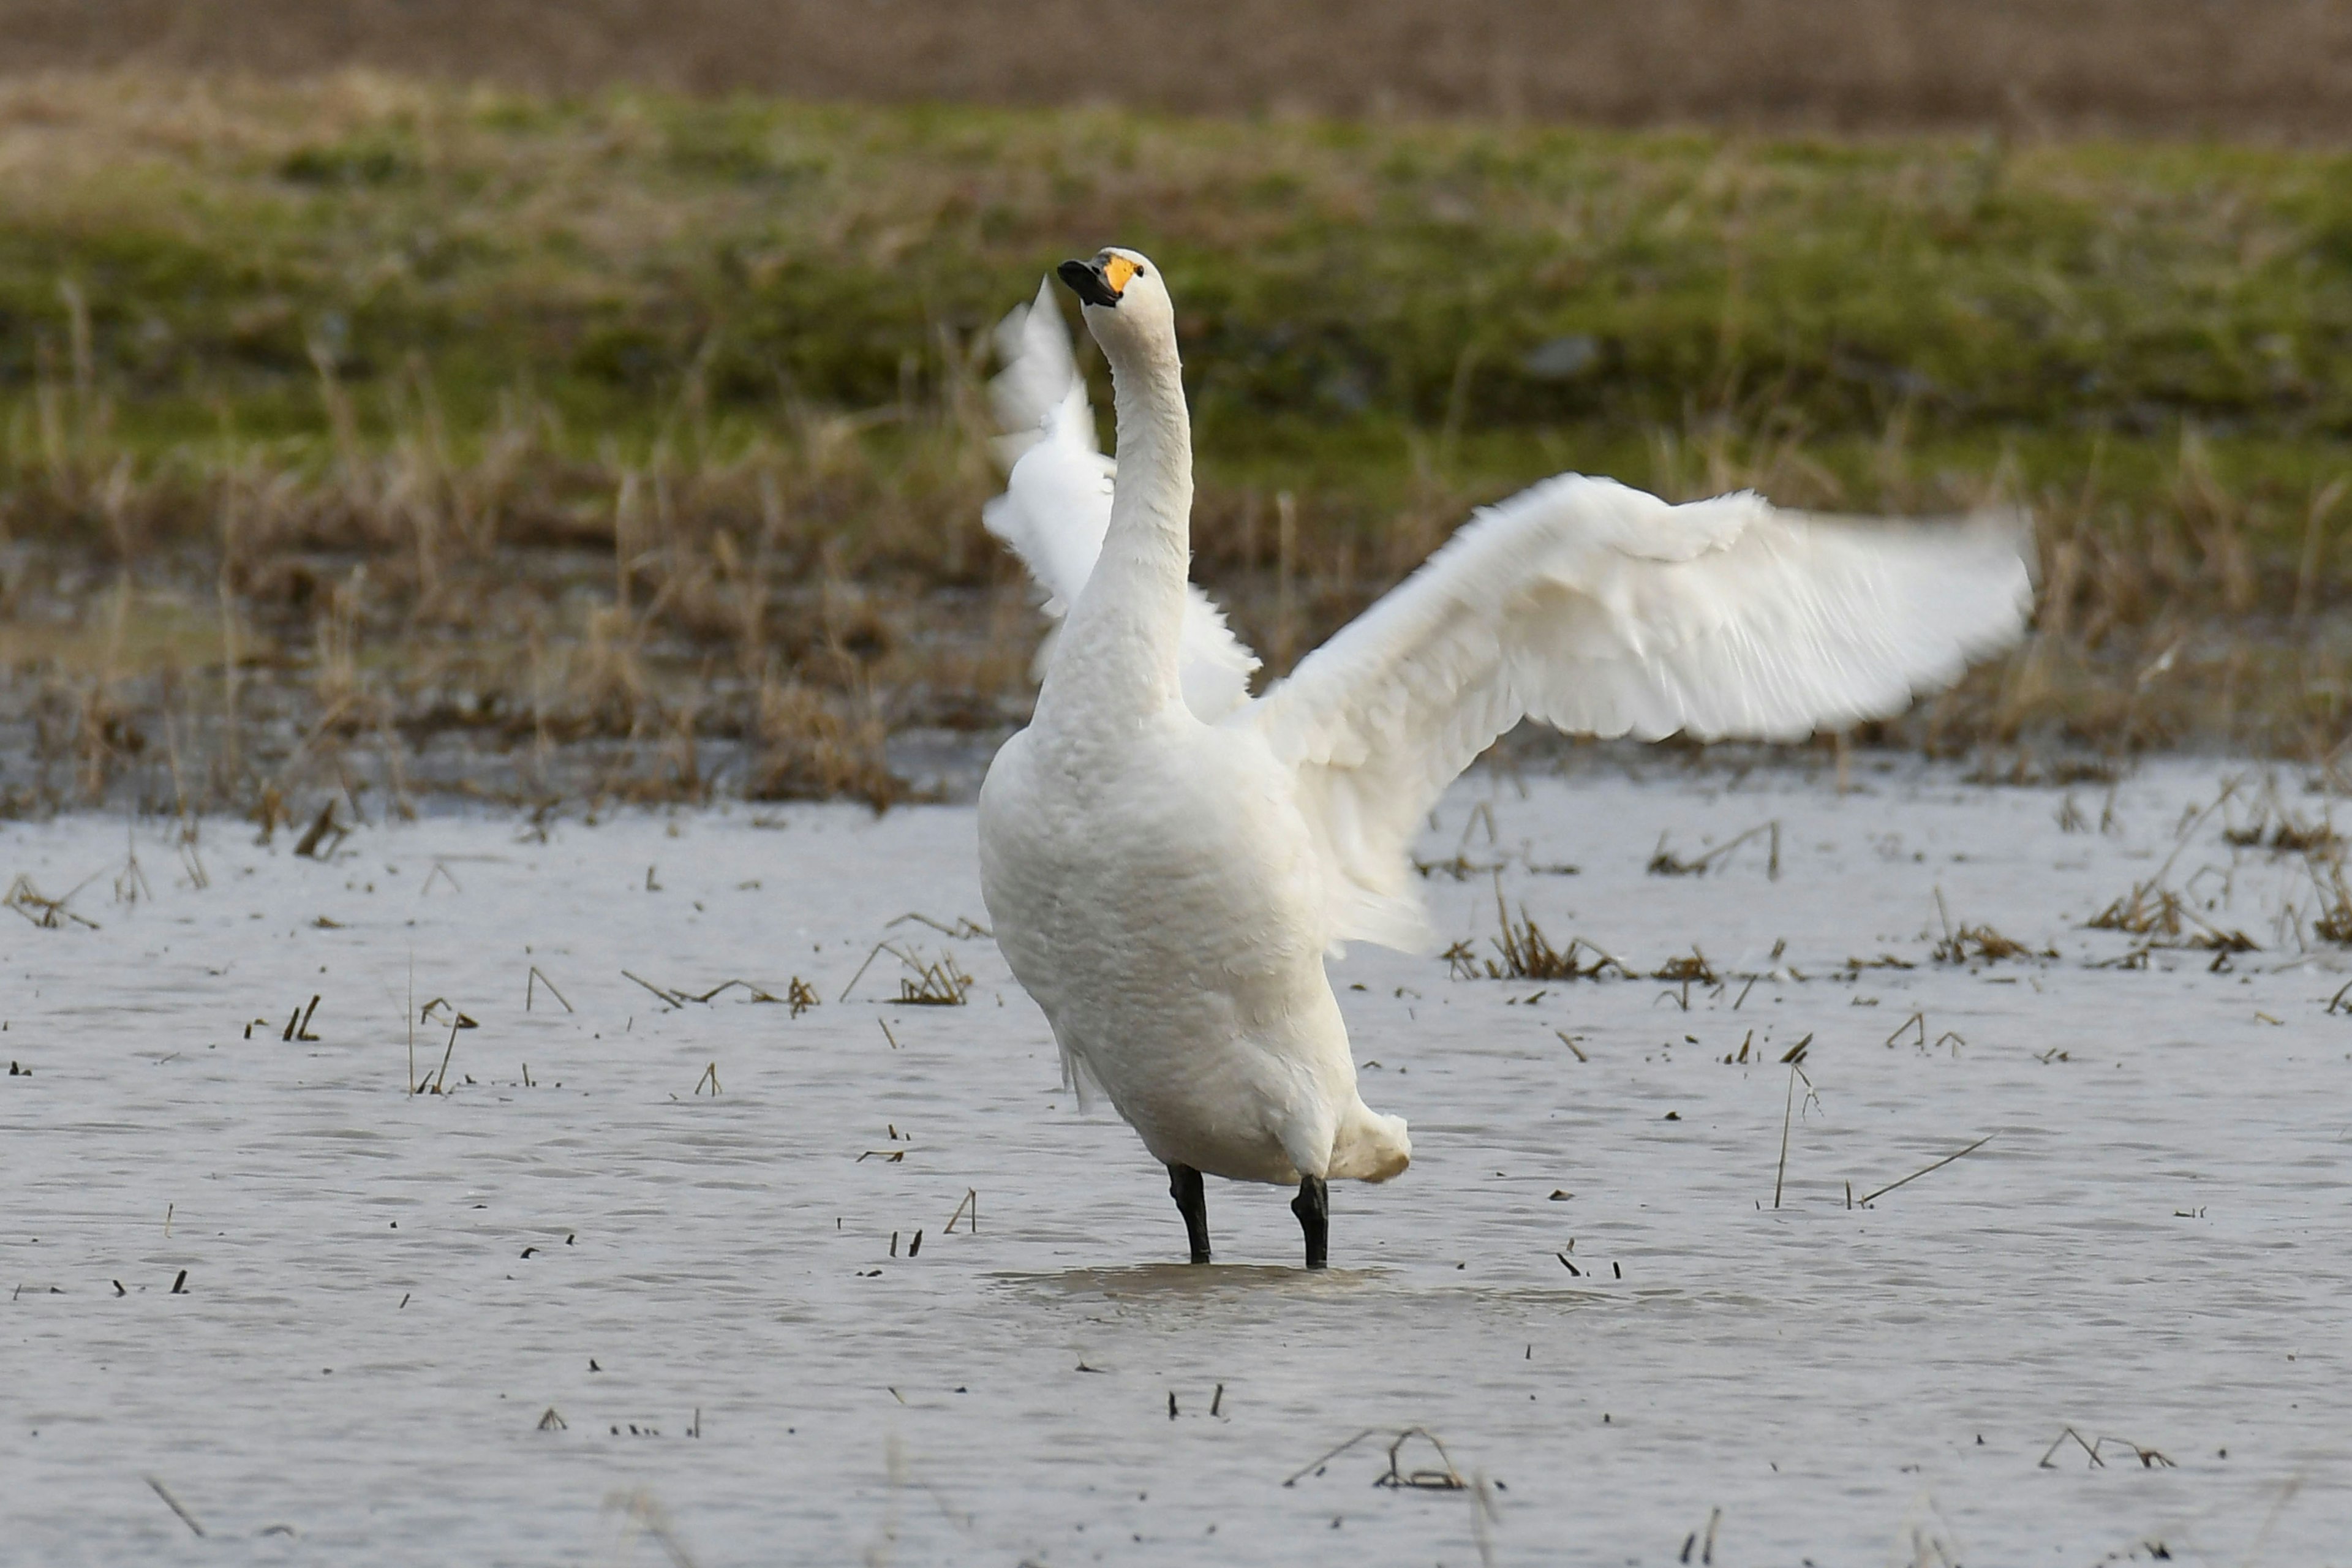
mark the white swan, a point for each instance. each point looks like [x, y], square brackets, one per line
[1169, 861]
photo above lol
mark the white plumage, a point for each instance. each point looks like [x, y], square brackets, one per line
[1168, 861]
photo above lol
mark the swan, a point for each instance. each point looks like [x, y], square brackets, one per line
[1168, 861]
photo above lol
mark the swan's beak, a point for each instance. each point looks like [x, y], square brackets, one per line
[1099, 281]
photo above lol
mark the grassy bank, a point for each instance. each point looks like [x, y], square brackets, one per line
[602, 252]
[373, 388]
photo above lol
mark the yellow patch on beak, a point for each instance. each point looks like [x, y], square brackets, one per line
[1117, 271]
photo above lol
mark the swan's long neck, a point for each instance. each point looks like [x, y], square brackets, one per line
[1117, 657]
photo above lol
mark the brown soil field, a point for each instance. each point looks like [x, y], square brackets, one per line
[2274, 69]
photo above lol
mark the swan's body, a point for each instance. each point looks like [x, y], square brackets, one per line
[1154, 887]
[1168, 861]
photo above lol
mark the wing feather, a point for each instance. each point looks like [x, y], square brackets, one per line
[1604, 611]
[1040, 381]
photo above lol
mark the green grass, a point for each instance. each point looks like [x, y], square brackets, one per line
[1354, 297]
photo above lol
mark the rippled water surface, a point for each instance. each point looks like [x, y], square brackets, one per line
[579, 1308]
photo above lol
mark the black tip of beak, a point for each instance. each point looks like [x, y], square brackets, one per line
[1086, 281]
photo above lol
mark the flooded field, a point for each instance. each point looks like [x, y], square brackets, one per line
[692, 1251]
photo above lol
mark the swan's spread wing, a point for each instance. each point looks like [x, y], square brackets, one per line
[1605, 611]
[1057, 501]
[1040, 380]
[1054, 508]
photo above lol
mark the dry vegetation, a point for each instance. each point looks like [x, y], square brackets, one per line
[377, 434]
[2168, 67]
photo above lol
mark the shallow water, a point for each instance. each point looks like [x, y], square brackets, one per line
[387, 1292]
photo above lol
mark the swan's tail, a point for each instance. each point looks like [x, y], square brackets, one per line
[1370, 1147]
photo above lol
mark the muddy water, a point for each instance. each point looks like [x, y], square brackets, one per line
[388, 1294]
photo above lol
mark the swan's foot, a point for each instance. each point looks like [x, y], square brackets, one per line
[1313, 1207]
[1184, 1186]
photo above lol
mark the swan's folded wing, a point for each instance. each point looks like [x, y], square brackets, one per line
[1056, 501]
[1607, 612]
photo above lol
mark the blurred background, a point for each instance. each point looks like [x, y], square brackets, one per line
[565, 402]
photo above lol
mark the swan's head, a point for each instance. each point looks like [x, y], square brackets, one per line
[1125, 299]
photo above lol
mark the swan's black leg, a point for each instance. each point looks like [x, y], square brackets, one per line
[1313, 1207]
[1184, 1186]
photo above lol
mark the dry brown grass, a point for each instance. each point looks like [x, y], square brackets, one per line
[2273, 67]
[760, 618]
[753, 621]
